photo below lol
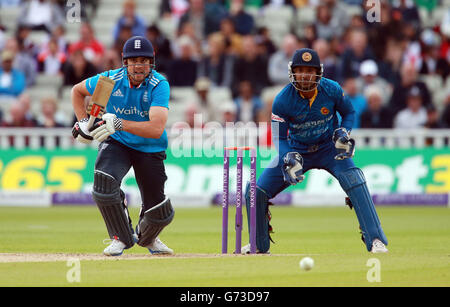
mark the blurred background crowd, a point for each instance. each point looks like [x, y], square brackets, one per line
[227, 59]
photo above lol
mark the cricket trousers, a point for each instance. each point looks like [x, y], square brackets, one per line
[116, 159]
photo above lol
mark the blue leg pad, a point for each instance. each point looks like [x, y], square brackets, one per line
[354, 184]
[262, 221]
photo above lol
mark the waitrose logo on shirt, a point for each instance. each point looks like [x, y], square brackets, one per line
[130, 111]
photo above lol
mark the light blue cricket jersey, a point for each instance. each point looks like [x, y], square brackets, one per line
[134, 104]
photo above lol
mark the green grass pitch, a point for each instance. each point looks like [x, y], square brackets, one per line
[36, 243]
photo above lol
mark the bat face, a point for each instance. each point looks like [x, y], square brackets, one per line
[102, 92]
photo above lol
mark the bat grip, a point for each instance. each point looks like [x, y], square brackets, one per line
[91, 121]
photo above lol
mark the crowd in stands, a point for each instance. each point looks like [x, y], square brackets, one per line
[381, 65]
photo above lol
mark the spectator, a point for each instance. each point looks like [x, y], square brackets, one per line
[49, 107]
[445, 34]
[433, 120]
[278, 62]
[409, 79]
[50, 61]
[406, 11]
[12, 81]
[265, 43]
[310, 35]
[377, 115]
[183, 70]
[368, 75]
[203, 104]
[41, 15]
[23, 61]
[326, 26]
[173, 9]
[323, 49]
[130, 19]
[2, 35]
[188, 30]
[432, 63]
[205, 17]
[216, 65]
[445, 118]
[339, 12]
[25, 101]
[233, 40]
[413, 49]
[357, 51]
[113, 60]
[248, 105]
[58, 34]
[92, 49]
[18, 117]
[78, 68]
[125, 32]
[414, 115]
[250, 66]
[190, 117]
[243, 22]
[26, 44]
[358, 101]
[162, 47]
[228, 112]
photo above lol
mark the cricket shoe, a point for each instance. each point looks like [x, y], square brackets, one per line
[378, 247]
[115, 248]
[246, 250]
[159, 248]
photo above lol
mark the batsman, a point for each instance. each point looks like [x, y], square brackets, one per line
[132, 106]
[308, 135]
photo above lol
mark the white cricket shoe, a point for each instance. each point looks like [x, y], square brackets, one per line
[378, 247]
[158, 247]
[115, 248]
[246, 250]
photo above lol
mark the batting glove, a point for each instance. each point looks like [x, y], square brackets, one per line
[106, 127]
[293, 168]
[80, 131]
[345, 146]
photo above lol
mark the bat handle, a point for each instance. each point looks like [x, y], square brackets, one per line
[91, 121]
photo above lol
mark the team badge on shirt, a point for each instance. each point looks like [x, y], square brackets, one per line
[324, 111]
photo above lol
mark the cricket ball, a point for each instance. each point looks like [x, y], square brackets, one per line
[306, 263]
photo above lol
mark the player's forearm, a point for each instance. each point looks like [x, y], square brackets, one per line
[149, 129]
[78, 97]
[279, 138]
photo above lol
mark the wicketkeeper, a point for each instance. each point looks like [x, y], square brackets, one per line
[131, 134]
[307, 134]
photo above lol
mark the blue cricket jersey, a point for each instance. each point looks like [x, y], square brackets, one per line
[131, 103]
[305, 122]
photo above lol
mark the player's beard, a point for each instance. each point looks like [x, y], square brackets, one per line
[137, 78]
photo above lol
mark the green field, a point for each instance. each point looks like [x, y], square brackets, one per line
[35, 244]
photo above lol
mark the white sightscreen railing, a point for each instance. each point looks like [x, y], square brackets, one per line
[51, 138]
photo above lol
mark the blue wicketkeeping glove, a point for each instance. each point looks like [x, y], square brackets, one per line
[292, 168]
[345, 146]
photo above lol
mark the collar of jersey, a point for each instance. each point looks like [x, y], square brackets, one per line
[312, 99]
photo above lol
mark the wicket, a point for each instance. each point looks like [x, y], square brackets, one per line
[225, 198]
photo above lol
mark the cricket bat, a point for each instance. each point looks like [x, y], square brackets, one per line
[100, 98]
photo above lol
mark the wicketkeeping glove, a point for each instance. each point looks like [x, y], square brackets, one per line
[80, 131]
[345, 145]
[293, 168]
[107, 126]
